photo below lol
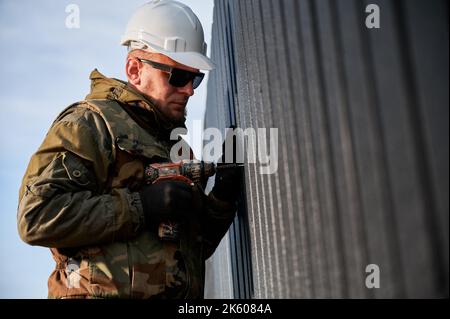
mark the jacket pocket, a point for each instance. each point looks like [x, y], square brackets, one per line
[65, 173]
[77, 171]
[45, 184]
[149, 266]
[109, 271]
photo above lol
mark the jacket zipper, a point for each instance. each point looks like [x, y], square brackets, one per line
[130, 270]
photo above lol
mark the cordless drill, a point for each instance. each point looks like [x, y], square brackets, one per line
[189, 171]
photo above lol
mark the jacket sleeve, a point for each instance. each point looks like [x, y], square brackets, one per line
[218, 217]
[61, 202]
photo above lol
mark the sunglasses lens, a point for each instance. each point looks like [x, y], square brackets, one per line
[180, 78]
[197, 80]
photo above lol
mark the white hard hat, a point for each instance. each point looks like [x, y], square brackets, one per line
[170, 28]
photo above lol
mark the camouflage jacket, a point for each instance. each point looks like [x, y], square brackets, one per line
[80, 198]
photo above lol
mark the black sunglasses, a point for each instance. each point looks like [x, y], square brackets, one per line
[177, 77]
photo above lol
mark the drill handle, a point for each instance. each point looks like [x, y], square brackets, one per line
[180, 178]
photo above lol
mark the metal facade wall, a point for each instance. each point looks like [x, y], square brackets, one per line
[362, 118]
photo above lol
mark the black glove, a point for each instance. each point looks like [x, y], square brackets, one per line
[228, 180]
[227, 184]
[166, 200]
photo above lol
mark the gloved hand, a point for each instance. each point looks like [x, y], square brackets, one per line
[228, 180]
[166, 200]
[227, 184]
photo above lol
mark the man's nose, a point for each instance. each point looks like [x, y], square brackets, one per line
[187, 89]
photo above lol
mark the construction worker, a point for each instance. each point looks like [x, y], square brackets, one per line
[84, 196]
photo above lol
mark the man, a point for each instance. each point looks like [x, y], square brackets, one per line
[84, 194]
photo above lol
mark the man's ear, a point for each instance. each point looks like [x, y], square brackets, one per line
[132, 69]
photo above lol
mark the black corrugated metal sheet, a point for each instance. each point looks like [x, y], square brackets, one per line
[362, 118]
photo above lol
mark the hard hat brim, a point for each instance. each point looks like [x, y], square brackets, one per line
[192, 59]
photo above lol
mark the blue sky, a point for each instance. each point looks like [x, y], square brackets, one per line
[45, 67]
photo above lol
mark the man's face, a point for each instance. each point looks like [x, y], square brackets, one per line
[170, 100]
